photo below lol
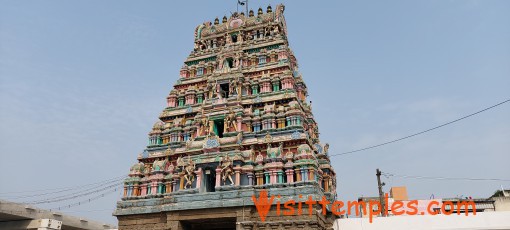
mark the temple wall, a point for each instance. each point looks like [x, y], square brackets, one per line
[241, 218]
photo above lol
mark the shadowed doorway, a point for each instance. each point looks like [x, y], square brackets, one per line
[227, 223]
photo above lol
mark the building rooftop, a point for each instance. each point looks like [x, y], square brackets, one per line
[19, 216]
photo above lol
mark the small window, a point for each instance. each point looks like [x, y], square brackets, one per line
[224, 90]
[255, 90]
[200, 71]
[218, 128]
[262, 60]
[230, 62]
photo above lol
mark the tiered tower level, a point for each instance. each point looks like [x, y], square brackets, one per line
[237, 122]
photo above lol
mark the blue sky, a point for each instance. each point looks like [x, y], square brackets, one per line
[82, 82]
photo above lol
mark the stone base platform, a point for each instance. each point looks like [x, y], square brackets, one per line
[226, 209]
[238, 218]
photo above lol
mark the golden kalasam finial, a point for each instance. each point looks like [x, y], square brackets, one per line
[224, 19]
[260, 11]
[216, 21]
[251, 14]
[269, 9]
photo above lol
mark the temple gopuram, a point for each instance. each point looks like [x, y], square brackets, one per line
[237, 123]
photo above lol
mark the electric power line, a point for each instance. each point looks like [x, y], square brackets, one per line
[422, 132]
[65, 195]
[62, 189]
[114, 189]
[444, 178]
[71, 197]
[87, 200]
[96, 210]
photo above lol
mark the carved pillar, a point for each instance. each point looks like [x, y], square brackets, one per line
[280, 177]
[250, 178]
[136, 190]
[125, 191]
[198, 132]
[174, 185]
[237, 170]
[298, 174]
[199, 178]
[248, 125]
[218, 177]
[312, 174]
[319, 179]
[304, 173]
[266, 174]
[168, 187]
[154, 189]
[144, 189]
[258, 175]
[181, 182]
[239, 128]
[326, 186]
[290, 175]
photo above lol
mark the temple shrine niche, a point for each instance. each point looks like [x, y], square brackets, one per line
[237, 122]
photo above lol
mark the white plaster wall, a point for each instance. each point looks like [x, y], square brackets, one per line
[502, 203]
[482, 220]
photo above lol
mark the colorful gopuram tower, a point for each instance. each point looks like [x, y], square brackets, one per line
[236, 124]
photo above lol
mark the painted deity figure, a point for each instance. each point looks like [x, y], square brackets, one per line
[234, 86]
[204, 126]
[225, 66]
[230, 121]
[252, 151]
[236, 62]
[189, 173]
[240, 37]
[180, 162]
[270, 107]
[274, 152]
[259, 158]
[267, 31]
[227, 170]
[170, 168]
[211, 127]
[228, 38]
[276, 30]
[159, 165]
[213, 90]
[189, 142]
[179, 121]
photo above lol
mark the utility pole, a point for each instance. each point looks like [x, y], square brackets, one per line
[381, 194]
[243, 3]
